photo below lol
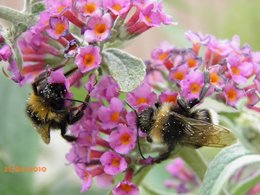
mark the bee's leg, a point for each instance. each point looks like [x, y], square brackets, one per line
[73, 118]
[165, 155]
[63, 129]
[182, 103]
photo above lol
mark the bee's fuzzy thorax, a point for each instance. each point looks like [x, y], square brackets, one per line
[160, 117]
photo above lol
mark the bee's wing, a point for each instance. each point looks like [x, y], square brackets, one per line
[201, 133]
[44, 131]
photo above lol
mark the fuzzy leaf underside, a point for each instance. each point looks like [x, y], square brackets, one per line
[126, 69]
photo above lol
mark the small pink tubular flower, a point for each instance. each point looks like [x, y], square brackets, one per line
[113, 163]
[150, 16]
[168, 96]
[126, 187]
[240, 71]
[98, 28]
[178, 73]
[197, 40]
[86, 182]
[183, 180]
[216, 77]
[16, 73]
[59, 27]
[233, 94]
[141, 97]
[177, 169]
[252, 97]
[5, 52]
[112, 116]
[165, 18]
[220, 47]
[88, 7]
[105, 180]
[123, 139]
[106, 88]
[57, 7]
[160, 54]
[117, 7]
[191, 86]
[89, 58]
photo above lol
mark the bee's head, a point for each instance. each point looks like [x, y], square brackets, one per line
[145, 119]
[53, 92]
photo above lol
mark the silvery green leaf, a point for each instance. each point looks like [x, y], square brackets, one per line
[126, 69]
[224, 165]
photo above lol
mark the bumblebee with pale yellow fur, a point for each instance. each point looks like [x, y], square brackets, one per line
[47, 109]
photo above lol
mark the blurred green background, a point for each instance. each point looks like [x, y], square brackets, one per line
[19, 143]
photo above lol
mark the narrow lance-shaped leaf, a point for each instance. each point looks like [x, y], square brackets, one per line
[126, 69]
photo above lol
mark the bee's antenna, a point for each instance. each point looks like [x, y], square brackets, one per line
[74, 100]
[138, 142]
[70, 71]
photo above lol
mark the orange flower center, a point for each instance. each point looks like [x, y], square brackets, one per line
[100, 28]
[125, 139]
[115, 162]
[195, 88]
[196, 48]
[117, 7]
[87, 175]
[163, 56]
[60, 28]
[90, 8]
[178, 75]
[115, 117]
[125, 187]
[214, 78]
[191, 62]
[141, 100]
[235, 70]
[60, 8]
[171, 98]
[89, 60]
[149, 20]
[232, 94]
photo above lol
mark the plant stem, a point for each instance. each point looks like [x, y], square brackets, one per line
[27, 6]
[194, 159]
[14, 16]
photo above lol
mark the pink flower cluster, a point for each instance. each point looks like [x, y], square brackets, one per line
[106, 144]
[233, 71]
[76, 31]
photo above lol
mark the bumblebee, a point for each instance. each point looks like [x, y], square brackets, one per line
[47, 110]
[183, 125]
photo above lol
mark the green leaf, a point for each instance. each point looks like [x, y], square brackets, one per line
[18, 140]
[195, 160]
[126, 69]
[224, 165]
[38, 7]
[245, 186]
[153, 182]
